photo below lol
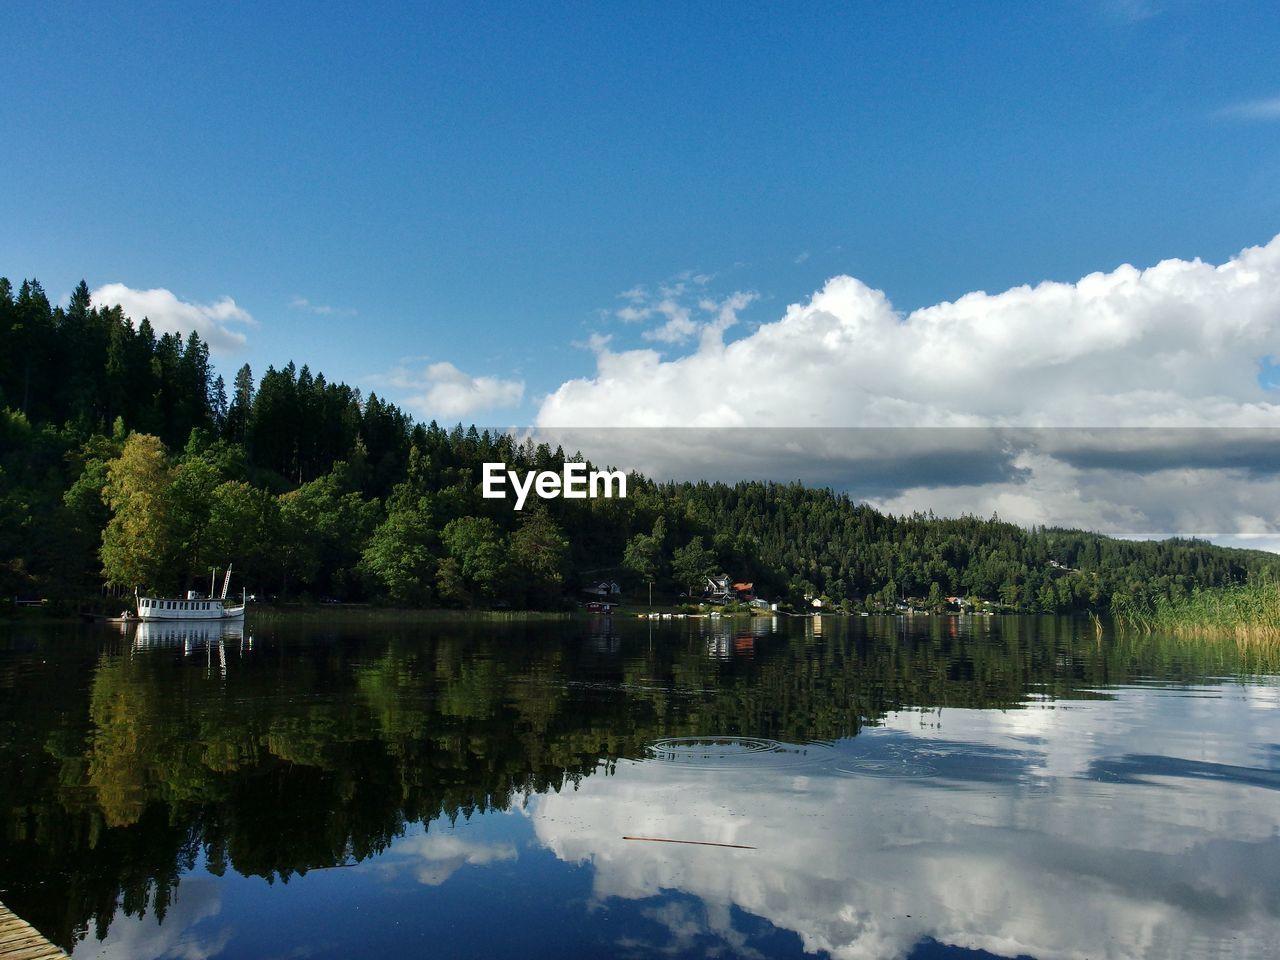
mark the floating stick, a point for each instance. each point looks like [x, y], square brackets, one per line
[700, 843]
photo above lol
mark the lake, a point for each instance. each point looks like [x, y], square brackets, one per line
[926, 787]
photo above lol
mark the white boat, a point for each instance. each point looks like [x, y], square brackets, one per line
[194, 606]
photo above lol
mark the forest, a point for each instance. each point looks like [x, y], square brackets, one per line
[127, 463]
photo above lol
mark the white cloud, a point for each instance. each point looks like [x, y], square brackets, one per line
[681, 308]
[683, 322]
[679, 325]
[1178, 345]
[168, 314]
[1235, 507]
[1267, 108]
[595, 342]
[442, 390]
[320, 309]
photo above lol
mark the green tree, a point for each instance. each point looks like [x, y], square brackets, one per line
[643, 555]
[244, 529]
[325, 524]
[539, 552]
[400, 556]
[236, 425]
[139, 542]
[478, 546]
[451, 587]
[692, 564]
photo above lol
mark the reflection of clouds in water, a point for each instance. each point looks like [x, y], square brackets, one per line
[142, 938]
[1020, 853]
[687, 926]
[434, 858]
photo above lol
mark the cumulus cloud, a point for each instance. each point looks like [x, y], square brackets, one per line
[1230, 504]
[442, 390]
[1177, 344]
[1042, 375]
[215, 322]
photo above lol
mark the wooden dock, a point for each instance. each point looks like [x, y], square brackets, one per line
[19, 940]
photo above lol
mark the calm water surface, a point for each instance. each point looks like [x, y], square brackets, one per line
[878, 788]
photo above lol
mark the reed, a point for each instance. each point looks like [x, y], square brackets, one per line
[1248, 614]
[364, 613]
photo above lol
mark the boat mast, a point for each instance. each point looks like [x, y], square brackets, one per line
[213, 581]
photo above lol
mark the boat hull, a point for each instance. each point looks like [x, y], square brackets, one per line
[236, 613]
[155, 610]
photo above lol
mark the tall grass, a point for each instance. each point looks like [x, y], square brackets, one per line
[1248, 613]
[363, 613]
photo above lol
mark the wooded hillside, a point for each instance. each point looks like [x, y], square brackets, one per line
[124, 460]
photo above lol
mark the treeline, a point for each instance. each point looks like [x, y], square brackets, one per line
[125, 463]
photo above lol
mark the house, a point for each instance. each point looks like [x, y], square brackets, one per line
[717, 589]
[722, 589]
[605, 588]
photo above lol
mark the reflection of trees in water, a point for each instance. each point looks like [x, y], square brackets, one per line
[304, 755]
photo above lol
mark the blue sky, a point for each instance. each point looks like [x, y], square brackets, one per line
[474, 184]
[656, 215]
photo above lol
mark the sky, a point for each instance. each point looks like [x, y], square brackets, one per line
[854, 215]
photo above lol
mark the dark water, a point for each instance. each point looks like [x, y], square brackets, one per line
[854, 788]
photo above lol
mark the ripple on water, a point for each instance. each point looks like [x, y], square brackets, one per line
[890, 766]
[737, 751]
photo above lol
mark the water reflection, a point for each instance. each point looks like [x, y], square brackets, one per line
[1016, 786]
[212, 639]
[192, 636]
[977, 849]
